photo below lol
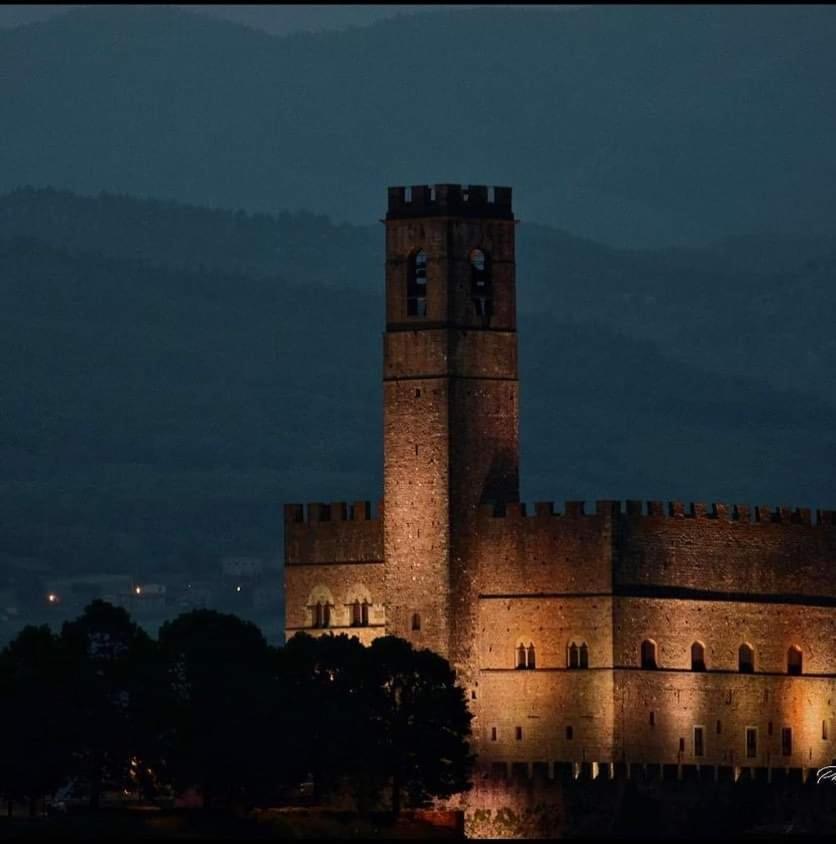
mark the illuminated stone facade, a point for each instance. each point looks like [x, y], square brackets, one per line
[636, 634]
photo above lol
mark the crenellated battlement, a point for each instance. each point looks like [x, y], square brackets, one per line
[449, 200]
[338, 511]
[632, 509]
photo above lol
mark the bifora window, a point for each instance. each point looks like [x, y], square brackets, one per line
[578, 655]
[525, 656]
[360, 613]
[416, 285]
[480, 283]
[322, 614]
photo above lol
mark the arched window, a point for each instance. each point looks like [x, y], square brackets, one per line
[577, 656]
[794, 660]
[322, 614]
[357, 604]
[746, 659]
[698, 657]
[574, 660]
[320, 603]
[416, 621]
[480, 283]
[416, 285]
[524, 655]
[648, 653]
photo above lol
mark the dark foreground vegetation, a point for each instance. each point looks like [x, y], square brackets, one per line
[209, 713]
[218, 825]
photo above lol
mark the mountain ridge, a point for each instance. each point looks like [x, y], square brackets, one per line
[154, 416]
[718, 309]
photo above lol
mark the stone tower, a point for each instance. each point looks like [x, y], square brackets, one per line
[450, 401]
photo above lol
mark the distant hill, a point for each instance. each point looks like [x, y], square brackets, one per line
[633, 125]
[759, 307]
[160, 416]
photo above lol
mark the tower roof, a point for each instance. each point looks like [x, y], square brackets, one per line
[449, 201]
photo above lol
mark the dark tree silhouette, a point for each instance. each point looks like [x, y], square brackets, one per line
[105, 699]
[35, 756]
[329, 703]
[421, 721]
[226, 717]
[212, 705]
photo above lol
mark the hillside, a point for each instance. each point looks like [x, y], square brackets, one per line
[160, 416]
[756, 307]
[633, 125]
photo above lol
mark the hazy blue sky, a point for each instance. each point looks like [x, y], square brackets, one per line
[277, 19]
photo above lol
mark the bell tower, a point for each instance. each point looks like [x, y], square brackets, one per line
[450, 399]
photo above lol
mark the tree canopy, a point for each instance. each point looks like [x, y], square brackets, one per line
[209, 705]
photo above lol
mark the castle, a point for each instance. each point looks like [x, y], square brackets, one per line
[590, 640]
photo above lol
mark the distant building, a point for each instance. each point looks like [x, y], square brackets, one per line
[148, 597]
[79, 590]
[242, 567]
[197, 594]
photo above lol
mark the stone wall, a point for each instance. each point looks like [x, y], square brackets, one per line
[333, 555]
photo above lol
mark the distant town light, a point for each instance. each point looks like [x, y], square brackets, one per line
[237, 588]
[138, 590]
[52, 598]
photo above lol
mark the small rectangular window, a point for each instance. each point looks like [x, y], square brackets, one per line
[493, 733]
[751, 742]
[698, 741]
[769, 728]
[786, 741]
[681, 745]
[569, 733]
[652, 718]
[719, 727]
[824, 731]
[519, 733]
